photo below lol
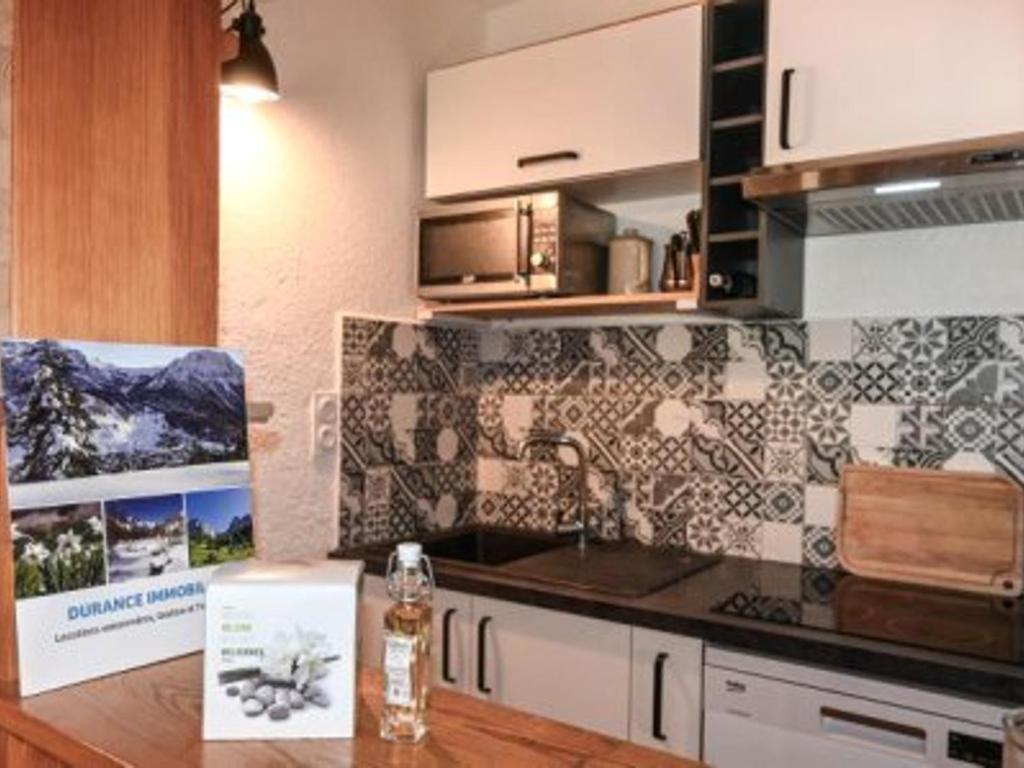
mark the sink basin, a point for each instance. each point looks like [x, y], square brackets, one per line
[488, 546]
[626, 569]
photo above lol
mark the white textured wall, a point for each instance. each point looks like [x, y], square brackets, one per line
[532, 21]
[976, 269]
[317, 199]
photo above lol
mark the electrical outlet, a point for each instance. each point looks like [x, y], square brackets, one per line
[323, 423]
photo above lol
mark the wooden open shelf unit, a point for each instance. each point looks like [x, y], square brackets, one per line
[561, 306]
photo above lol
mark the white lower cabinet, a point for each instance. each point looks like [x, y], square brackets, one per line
[590, 673]
[666, 701]
[569, 668]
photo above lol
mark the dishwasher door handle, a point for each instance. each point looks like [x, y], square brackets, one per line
[874, 731]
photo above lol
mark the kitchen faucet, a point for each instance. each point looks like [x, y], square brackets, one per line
[582, 525]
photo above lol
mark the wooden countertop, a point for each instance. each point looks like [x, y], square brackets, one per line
[152, 717]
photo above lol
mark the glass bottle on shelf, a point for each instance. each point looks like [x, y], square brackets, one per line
[733, 285]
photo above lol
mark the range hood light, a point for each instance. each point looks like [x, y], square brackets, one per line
[901, 187]
[967, 181]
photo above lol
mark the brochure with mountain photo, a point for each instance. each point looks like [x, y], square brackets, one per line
[128, 481]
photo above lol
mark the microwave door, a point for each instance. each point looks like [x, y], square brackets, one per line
[474, 251]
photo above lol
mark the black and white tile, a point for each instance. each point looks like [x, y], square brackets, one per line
[723, 437]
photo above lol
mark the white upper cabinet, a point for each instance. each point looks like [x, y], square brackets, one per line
[616, 99]
[885, 74]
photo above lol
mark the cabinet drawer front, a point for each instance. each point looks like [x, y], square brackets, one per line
[672, 666]
[615, 99]
[565, 667]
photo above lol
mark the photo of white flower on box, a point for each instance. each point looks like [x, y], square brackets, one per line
[288, 678]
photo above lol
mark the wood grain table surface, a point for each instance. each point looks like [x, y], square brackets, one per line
[152, 717]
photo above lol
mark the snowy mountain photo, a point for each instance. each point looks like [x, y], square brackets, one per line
[82, 409]
[145, 537]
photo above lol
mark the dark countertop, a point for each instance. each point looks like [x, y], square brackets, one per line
[948, 641]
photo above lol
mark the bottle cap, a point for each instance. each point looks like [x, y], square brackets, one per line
[410, 553]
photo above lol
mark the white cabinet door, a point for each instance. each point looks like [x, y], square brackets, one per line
[451, 640]
[878, 74]
[665, 710]
[569, 668]
[373, 603]
[615, 99]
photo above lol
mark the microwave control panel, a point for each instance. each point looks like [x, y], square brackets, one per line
[544, 245]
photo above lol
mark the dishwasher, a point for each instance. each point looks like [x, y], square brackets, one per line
[766, 713]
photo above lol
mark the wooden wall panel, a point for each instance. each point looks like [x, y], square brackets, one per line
[115, 169]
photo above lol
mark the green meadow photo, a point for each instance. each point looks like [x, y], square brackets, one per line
[219, 526]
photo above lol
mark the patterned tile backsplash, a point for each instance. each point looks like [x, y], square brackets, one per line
[722, 437]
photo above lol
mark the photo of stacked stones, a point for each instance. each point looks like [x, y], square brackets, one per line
[288, 680]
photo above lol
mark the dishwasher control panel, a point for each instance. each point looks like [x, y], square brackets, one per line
[974, 750]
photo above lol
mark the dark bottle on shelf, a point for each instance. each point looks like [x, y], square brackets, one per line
[733, 285]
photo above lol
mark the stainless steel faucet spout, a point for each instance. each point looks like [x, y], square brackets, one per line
[582, 525]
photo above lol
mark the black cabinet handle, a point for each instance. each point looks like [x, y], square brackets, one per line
[550, 157]
[481, 654]
[446, 624]
[659, 684]
[786, 98]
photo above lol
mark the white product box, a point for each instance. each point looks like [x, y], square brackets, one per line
[280, 657]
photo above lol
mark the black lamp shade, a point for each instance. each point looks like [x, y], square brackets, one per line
[251, 75]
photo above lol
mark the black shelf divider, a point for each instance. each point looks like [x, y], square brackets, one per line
[739, 239]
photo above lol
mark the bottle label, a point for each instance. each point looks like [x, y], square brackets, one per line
[399, 651]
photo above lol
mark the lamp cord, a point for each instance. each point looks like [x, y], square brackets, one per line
[228, 7]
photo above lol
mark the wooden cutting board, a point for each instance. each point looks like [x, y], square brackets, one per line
[961, 530]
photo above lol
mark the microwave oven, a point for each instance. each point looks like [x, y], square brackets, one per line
[530, 245]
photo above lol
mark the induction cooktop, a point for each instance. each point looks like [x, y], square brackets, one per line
[958, 622]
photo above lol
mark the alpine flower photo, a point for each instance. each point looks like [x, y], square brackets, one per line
[57, 549]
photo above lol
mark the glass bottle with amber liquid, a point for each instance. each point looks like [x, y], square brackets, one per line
[406, 652]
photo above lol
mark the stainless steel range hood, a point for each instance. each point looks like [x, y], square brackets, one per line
[965, 182]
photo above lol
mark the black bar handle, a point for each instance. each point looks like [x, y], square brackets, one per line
[446, 624]
[550, 157]
[659, 685]
[481, 654]
[786, 98]
[524, 237]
